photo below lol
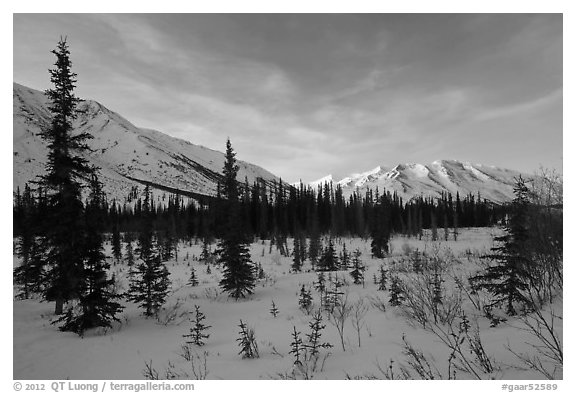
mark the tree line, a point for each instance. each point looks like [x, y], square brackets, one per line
[280, 211]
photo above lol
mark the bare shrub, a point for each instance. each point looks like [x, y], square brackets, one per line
[378, 302]
[359, 310]
[417, 361]
[198, 368]
[172, 314]
[211, 293]
[467, 352]
[338, 316]
[198, 362]
[422, 303]
[309, 358]
[545, 329]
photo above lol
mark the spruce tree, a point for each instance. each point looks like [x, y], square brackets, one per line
[239, 274]
[382, 279]
[381, 228]
[314, 248]
[97, 298]
[116, 244]
[274, 310]
[261, 274]
[247, 342]
[446, 226]
[197, 331]
[193, 280]
[344, 258]
[328, 261]
[296, 256]
[129, 255]
[64, 229]
[303, 251]
[205, 255]
[296, 347]
[508, 278]
[149, 281]
[433, 226]
[396, 291]
[314, 338]
[30, 274]
[358, 268]
[305, 299]
[320, 285]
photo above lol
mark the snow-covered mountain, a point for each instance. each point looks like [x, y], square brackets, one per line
[412, 180]
[127, 155]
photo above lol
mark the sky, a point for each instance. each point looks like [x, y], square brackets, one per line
[306, 95]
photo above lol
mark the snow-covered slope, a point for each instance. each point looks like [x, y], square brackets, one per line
[412, 180]
[124, 152]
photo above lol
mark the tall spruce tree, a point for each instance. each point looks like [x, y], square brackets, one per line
[98, 306]
[314, 248]
[64, 229]
[239, 276]
[509, 277]
[296, 256]
[149, 281]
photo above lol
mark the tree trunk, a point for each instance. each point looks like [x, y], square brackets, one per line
[59, 307]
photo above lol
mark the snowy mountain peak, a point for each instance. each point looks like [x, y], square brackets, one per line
[127, 155]
[323, 180]
[411, 180]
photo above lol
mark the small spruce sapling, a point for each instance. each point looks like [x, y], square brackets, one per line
[205, 255]
[383, 279]
[358, 268]
[197, 335]
[305, 299]
[344, 258]
[193, 280]
[297, 347]
[396, 292]
[320, 285]
[314, 338]
[247, 342]
[274, 310]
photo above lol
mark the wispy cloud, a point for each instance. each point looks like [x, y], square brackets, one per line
[521, 108]
[307, 95]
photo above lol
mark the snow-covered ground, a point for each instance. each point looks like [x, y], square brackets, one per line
[43, 352]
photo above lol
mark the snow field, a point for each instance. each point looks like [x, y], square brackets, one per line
[43, 352]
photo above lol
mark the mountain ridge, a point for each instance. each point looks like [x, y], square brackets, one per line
[411, 180]
[128, 156]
